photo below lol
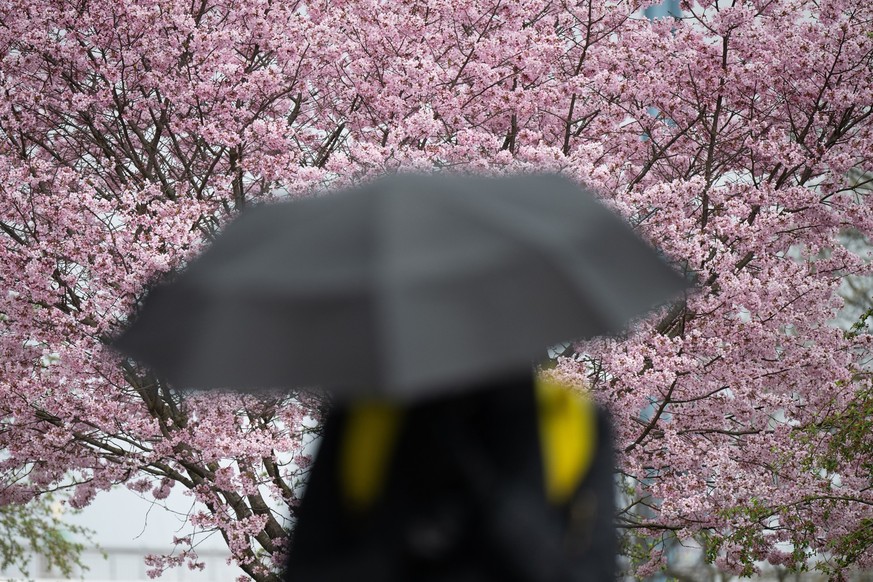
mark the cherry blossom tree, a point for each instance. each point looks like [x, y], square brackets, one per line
[732, 138]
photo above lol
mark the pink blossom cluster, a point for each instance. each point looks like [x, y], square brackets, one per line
[132, 130]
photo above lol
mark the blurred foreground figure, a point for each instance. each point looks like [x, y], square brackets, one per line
[508, 481]
[413, 299]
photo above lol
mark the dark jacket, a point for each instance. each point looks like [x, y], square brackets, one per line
[462, 499]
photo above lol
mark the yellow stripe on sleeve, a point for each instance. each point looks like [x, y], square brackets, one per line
[568, 437]
[365, 451]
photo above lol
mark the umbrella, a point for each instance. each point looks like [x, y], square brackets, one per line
[402, 287]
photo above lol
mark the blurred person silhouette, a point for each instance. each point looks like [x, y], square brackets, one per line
[438, 463]
[510, 480]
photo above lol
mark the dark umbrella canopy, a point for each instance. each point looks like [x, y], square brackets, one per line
[401, 287]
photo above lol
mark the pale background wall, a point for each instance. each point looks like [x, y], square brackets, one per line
[128, 528]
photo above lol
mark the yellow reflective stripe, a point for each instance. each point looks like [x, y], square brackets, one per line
[568, 437]
[365, 450]
[567, 432]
